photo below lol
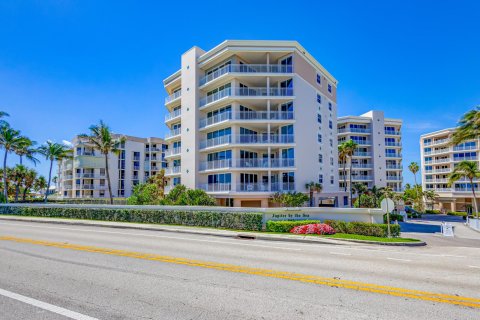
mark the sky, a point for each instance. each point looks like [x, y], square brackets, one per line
[66, 64]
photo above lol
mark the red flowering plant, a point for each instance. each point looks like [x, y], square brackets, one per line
[314, 228]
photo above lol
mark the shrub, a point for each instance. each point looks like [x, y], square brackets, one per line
[182, 196]
[433, 212]
[393, 217]
[290, 199]
[314, 228]
[457, 213]
[364, 228]
[287, 225]
[229, 220]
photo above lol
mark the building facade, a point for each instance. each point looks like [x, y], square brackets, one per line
[250, 118]
[439, 158]
[84, 176]
[378, 158]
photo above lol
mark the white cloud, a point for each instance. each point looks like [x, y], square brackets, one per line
[67, 143]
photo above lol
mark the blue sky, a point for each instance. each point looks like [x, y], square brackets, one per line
[66, 64]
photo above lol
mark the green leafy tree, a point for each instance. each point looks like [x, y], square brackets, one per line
[26, 148]
[19, 174]
[290, 199]
[430, 196]
[182, 196]
[468, 170]
[40, 184]
[53, 152]
[342, 157]
[313, 187]
[349, 147]
[359, 189]
[468, 127]
[29, 181]
[144, 194]
[102, 138]
[160, 180]
[365, 200]
[9, 140]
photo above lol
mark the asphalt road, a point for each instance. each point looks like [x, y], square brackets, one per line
[50, 271]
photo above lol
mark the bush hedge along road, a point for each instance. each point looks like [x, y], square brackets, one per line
[229, 220]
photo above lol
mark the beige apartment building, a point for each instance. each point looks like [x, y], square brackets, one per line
[439, 158]
[378, 158]
[250, 118]
[84, 176]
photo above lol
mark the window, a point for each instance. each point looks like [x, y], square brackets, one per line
[319, 79]
[320, 178]
[319, 98]
[331, 161]
[219, 133]
[319, 137]
[331, 143]
[222, 155]
[330, 106]
[329, 88]
[345, 200]
[330, 124]
[220, 178]
[332, 180]
[320, 158]
[319, 118]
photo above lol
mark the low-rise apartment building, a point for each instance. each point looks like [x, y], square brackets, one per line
[378, 158]
[438, 159]
[84, 176]
[250, 118]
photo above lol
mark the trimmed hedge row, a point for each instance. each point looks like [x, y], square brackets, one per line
[432, 211]
[364, 228]
[229, 220]
[360, 228]
[287, 225]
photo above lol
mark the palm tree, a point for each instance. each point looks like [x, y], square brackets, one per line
[3, 123]
[468, 127]
[40, 184]
[53, 152]
[414, 168]
[9, 140]
[25, 148]
[350, 147]
[313, 187]
[29, 182]
[359, 188]
[342, 157]
[376, 193]
[431, 196]
[161, 181]
[19, 173]
[468, 170]
[103, 140]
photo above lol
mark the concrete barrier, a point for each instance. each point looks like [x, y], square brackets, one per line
[301, 213]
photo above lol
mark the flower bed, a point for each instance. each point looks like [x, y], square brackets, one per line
[313, 228]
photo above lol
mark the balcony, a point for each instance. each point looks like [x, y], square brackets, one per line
[248, 139]
[357, 178]
[392, 132]
[362, 154]
[242, 92]
[436, 180]
[174, 96]
[173, 152]
[394, 178]
[173, 133]
[247, 164]
[393, 144]
[393, 155]
[68, 177]
[363, 142]
[394, 167]
[264, 187]
[438, 161]
[458, 159]
[90, 186]
[440, 151]
[216, 187]
[173, 115]
[361, 166]
[464, 148]
[247, 115]
[247, 69]
[173, 170]
[354, 130]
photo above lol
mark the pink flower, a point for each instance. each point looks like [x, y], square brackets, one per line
[314, 228]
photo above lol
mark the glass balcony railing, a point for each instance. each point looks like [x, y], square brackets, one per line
[174, 114]
[173, 133]
[247, 92]
[173, 96]
[246, 68]
[247, 115]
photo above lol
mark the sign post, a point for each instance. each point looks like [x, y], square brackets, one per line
[387, 206]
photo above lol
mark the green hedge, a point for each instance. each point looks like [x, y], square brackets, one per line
[287, 225]
[364, 228]
[229, 220]
[457, 213]
[433, 212]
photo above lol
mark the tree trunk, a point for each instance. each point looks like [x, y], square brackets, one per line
[350, 178]
[5, 184]
[311, 197]
[21, 159]
[108, 179]
[345, 175]
[24, 196]
[49, 179]
[474, 197]
[17, 190]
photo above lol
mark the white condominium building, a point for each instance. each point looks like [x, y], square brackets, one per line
[250, 118]
[84, 176]
[378, 158]
[438, 160]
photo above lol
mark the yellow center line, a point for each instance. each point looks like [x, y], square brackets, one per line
[331, 282]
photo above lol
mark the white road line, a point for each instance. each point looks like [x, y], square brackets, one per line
[396, 259]
[341, 253]
[233, 242]
[476, 267]
[45, 306]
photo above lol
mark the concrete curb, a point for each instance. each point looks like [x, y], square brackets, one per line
[199, 231]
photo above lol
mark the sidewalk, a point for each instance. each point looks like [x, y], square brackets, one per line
[200, 231]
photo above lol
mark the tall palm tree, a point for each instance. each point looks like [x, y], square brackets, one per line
[350, 147]
[29, 182]
[104, 141]
[19, 174]
[3, 114]
[468, 170]
[414, 168]
[342, 157]
[468, 127]
[9, 140]
[313, 187]
[26, 148]
[53, 152]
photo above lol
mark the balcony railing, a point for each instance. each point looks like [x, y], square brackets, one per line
[246, 68]
[393, 155]
[173, 170]
[361, 165]
[354, 130]
[247, 92]
[173, 133]
[247, 163]
[392, 132]
[173, 96]
[363, 142]
[393, 144]
[436, 180]
[464, 148]
[216, 187]
[173, 151]
[174, 114]
[247, 115]
[248, 139]
[264, 187]
[445, 150]
[362, 154]
[361, 178]
[457, 159]
[438, 161]
[394, 178]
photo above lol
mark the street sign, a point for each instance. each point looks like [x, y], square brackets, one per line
[387, 205]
